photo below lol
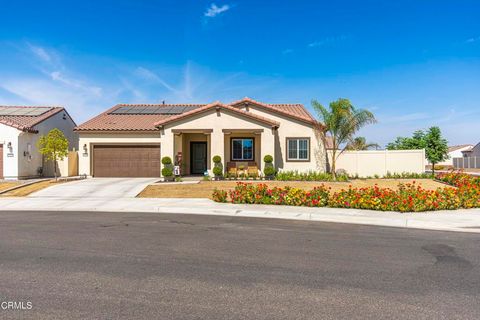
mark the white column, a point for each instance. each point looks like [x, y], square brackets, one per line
[167, 145]
[217, 147]
[267, 146]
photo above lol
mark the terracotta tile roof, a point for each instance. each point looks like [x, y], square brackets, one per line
[294, 110]
[221, 106]
[461, 146]
[107, 121]
[27, 123]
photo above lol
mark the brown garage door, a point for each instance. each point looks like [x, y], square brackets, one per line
[126, 161]
[1, 161]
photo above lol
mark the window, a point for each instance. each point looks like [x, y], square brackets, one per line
[298, 149]
[242, 149]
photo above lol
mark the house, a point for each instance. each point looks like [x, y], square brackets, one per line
[455, 152]
[129, 140]
[473, 151]
[20, 129]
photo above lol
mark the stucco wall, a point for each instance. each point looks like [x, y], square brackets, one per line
[370, 163]
[90, 139]
[10, 156]
[293, 128]
[217, 121]
[29, 163]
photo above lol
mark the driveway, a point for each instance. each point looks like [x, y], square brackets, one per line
[96, 188]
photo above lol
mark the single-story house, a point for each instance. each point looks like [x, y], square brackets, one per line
[129, 140]
[455, 152]
[473, 151]
[20, 129]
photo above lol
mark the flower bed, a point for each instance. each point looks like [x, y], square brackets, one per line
[408, 197]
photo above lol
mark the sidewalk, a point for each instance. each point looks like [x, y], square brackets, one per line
[459, 220]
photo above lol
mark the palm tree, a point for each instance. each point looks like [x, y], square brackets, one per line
[360, 143]
[342, 120]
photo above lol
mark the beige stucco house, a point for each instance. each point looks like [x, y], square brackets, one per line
[129, 140]
[20, 129]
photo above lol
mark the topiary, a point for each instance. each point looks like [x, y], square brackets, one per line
[217, 159]
[217, 171]
[167, 172]
[268, 159]
[269, 171]
[166, 160]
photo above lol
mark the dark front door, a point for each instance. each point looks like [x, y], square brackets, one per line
[198, 157]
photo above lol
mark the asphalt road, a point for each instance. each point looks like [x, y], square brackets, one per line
[157, 266]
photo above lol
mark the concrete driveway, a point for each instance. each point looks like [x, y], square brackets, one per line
[96, 188]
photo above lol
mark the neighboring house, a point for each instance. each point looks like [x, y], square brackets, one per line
[130, 140]
[20, 129]
[455, 152]
[474, 151]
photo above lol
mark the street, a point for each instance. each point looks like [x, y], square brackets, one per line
[100, 265]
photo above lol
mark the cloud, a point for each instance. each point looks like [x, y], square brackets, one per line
[40, 53]
[287, 51]
[214, 10]
[327, 41]
[472, 40]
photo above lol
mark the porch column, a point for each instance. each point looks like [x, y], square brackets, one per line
[267, 146]
[216, 148]
[167, 146]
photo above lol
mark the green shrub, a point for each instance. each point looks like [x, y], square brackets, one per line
[269, 171]
[166, 160]
[217, 171]
[307, 176]
[268, 158]
[217, 159]
[167, 172]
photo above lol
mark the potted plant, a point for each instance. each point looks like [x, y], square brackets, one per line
[217, 168]
[269, 169]
[167, 171]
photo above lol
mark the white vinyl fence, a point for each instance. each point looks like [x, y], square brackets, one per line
[380, 162]
[466, 163]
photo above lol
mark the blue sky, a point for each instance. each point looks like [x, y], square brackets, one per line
[413, 63]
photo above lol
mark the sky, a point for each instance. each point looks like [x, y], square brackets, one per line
[414, 64]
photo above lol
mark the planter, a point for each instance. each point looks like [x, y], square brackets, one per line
[169, 179]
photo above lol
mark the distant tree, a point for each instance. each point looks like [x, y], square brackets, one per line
[54, 147]
[342, 120]
[417, 141]
[360, 143]
[436, 147]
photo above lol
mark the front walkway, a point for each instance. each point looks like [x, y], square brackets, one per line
[459, 220]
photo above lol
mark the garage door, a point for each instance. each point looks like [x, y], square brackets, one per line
[126, 161]
[1, 161]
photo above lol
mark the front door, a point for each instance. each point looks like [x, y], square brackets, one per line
[198, 157]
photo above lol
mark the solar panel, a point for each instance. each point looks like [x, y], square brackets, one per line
[23, 111]
[160, 109]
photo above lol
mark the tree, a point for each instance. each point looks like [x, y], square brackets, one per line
[417, 141]
[360, 143]
[342, 120]
[54, 147]
[436, 147]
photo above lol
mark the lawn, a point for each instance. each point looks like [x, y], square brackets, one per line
[26, 190]
[204, 189]
[4, 185]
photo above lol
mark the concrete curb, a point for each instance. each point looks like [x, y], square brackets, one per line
[459, 220]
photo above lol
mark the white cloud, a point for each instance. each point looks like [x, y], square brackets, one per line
[214, 10]
[40, 53]
[472, 40]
